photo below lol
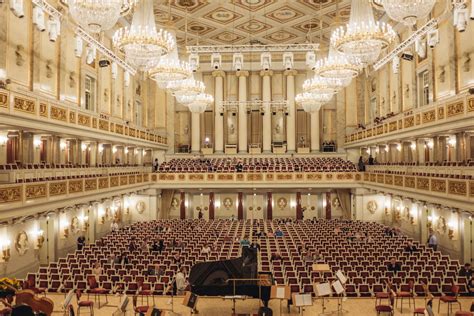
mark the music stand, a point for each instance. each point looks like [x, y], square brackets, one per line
[340, 289]
[322, 290]
[280, 292]
[302, 300]
[322, 267]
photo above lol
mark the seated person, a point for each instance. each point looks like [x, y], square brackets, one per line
[206, 249]
[278, 232]
[245, 241]
[466, 271]
[337, 230]
[410, 247]
[275, 256]
[156, 270]
[394, 266]
[255, 245]
[154, 246]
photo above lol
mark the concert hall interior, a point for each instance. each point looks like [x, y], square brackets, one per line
[236, 157]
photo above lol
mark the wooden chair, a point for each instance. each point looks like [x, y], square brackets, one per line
[406, 292]
[138, 309]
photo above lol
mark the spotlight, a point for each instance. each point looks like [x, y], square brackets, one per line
[114, 70]
[262, 113]
[104, 63]
[420, 48]
[288, 60]
[407, 55]
[16, 6]
[396, 64]
[266, 60]
[54, 29]
[238, 61]
[460, 17]
[433, 38]
[38, 19]
[274, 113]
[216, 61]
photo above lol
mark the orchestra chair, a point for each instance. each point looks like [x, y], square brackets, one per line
[138, 309]
[450, 299]
[81, 304]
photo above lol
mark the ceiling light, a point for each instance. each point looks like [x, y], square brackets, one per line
[362, 39]
[336, 66]
[99, 15]
[406, 11]
[142, 43]
[322, 85]
[200, 103]
[312, 102]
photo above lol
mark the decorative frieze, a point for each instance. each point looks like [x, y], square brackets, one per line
[3, 100]
[36, 191]
[43, 110]
[11, 194]
[455, 109]
[429, 116]
[423, 184]
[457, 187]
[90, 185]
[58, 113]
[83, 120]
[24, 105]
[57, 188]
[75, 186]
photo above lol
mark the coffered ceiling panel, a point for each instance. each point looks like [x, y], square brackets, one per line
[252, 21]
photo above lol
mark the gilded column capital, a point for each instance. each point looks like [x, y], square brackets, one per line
[292, 72]
[264, 73]
[242, 73]
[218, 73]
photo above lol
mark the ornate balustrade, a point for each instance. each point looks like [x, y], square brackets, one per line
[425, 170]
[43, 109]
[22, 194]
[457, 108]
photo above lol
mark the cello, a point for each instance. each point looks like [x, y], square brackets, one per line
[27, 297]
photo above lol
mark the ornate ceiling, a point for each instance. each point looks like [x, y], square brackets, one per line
[218, 22]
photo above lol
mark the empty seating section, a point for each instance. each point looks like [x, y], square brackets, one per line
[322, 164]
[47, 172]
[364, 262]
[456, 170]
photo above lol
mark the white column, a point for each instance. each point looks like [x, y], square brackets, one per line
[243, 144]
[218, 118]
[267, 117]
[315, 131]
[195, 132]
[291, 117]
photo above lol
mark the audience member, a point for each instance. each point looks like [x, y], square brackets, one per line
[245, 241]
[154, 246]
[275, 256]
[361, 164]
[206, 249]
[394, 266]
[181, 283]
[410, 247]
[81, 242]
[466, 271]
[97, 270]
[432, 240]
[278, 232]
[114, 226]
[156, 165]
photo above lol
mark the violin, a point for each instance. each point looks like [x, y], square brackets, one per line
[43, 304]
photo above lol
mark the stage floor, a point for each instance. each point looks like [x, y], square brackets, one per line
[220, 307]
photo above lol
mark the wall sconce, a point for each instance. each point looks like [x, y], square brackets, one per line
[430, 144]
[3, 139]
[114, 149]
[39, 238]
[451, 226]
[126, 150]
[452, 141]
[413, 145]
[62, 145]
[65, 229]
[84, 220]
[429, 223]
[84, 146]
[37, 143]
[399, 147]
[5, 247]
[101, 214]
[126, 207]
[101, 148]
[3, 79]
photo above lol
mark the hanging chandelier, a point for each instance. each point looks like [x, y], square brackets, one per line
[336, 66]
[142, 43]
[185, 87]
[99, 15]
[406, 11]
[322, 85]
[200, 102]
[312, 102]
[362, 39]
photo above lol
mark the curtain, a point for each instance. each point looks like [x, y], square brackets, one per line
[166, 198]
[344, 196]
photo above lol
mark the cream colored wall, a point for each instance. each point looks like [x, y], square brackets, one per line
[284, 205]
[226, 205]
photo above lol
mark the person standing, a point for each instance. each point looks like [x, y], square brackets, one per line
[155, 165]
[433, 241]
[181, 281]
[81, 242]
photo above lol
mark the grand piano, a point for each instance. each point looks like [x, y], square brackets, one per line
[234, 277]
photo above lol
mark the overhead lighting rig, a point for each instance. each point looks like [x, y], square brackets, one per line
[231, 49]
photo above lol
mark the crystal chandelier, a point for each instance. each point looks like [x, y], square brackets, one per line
[200, 103]
[322, 85]
[312, 102]
[99, 15]
[362, 39]
[406, 11]
[186, 87]
[336, 66]
[142, 43]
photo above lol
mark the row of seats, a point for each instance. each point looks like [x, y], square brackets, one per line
[322, 164]
[362, 259]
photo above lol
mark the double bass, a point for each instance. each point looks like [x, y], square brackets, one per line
[37, 304]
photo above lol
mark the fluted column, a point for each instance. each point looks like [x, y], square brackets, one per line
[267, 117]
[315, 131]
[243, 144]
[291, 117]
[218, 118]
[195, 132]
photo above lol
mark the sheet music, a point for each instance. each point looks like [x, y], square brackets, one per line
[280, 292]
[337, 286]
[341, 277]
[323, 289]
[303, 300]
